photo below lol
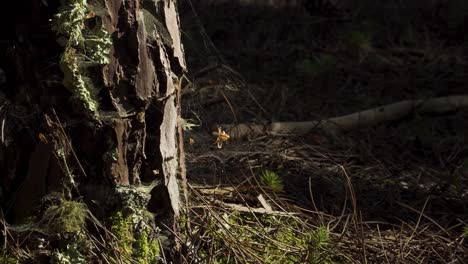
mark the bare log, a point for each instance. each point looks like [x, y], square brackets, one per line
[358, 120]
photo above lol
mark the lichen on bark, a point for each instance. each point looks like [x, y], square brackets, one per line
[73, 80]
[86, 45]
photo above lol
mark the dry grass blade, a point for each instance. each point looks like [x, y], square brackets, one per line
[251, 235]
[416, 227]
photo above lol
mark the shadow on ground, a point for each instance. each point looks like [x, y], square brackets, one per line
[262, 65]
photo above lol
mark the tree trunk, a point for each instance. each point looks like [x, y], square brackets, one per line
[89, 102]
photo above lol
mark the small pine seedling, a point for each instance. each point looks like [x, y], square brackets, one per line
[272, 180]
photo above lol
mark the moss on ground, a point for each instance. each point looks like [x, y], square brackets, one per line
[6, 259]
[264, 239]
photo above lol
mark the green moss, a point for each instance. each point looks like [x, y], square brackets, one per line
[146, 251]
[66, 217]
[134, 243]
[321, 238]
[6, 259]
[86, 45]
[122, 228]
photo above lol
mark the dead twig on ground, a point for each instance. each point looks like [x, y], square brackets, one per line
[362, 119]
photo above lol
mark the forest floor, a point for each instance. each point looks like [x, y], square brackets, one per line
[393, 193]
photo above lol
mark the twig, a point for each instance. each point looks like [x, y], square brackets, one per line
[3, 129]
[425, 216]
[247, 209]
[381, 244]
[417, 224]
[69, 144]
[5, 235]
[183, 167]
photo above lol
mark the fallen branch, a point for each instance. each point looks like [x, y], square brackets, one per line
[353, 121]
[247, 209]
